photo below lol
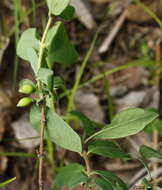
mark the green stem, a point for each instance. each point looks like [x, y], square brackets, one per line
[7, 182]
[79, 76]
[18, 154]
[86, 159]
[42, 45]
[51, 153]
[109, 98]
[107, 73]
[17, 4]
[28, 12]
[34, 12]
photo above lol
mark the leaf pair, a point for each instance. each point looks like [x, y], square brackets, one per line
[57, 45]
[75, 174]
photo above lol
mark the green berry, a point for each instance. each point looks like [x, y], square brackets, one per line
[24, 102]
[26, 89]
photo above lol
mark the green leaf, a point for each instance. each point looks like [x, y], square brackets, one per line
[154, 125]
[56, 7]
[26, 81]
[33, 59]
[50, 82]
[148, 152]
[27, 41]
[58, 82]
[7, 182]
[35, 117]
[158, 188]
[106, 148]
[51, 34]
[114, 180]
[126, 123]
[59, 48]
[44, 75]
[103, 184]
[87, 123]
[57, 129]
[146, 184]
[61, 133]
[71, 175]
[68, 13]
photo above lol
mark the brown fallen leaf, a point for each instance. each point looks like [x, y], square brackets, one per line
[131, 77]
[137, 14]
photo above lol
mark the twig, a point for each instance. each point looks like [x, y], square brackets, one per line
[156, 181]
[133, 143]
[41, 148]
[141, 173]
[154, 174]
[137, 176]
[43, 119]
[137, 188]
[106, 44]
[155, 145]
[121, 167]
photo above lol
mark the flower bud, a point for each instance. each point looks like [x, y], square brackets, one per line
[26, 89]
[24, 102]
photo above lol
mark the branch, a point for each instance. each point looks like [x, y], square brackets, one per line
[41, 148]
